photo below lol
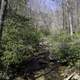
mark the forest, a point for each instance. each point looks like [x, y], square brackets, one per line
[39, 39]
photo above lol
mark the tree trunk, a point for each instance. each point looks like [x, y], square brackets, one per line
[70, 16]
[3, 8]
[63, 14]
[1, 13]
[70, 25]
[78, 13]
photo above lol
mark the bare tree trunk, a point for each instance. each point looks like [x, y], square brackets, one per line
[70, 15]
[3, 8]
[1, 12]
[70, 25]
[63, 14]
[78, 13]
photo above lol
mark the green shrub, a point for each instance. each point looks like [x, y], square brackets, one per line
[19, 39]
[65, 47]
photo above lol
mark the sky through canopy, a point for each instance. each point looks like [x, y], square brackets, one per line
[43, 5]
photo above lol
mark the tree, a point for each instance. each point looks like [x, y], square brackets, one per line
[3, 9]
[70, 15]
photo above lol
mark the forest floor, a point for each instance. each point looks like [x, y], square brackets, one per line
[64, 73]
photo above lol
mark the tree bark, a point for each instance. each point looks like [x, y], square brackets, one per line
[70, 15]
[63, 9]
[2, 12]
[70, 25]
[3, 9]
